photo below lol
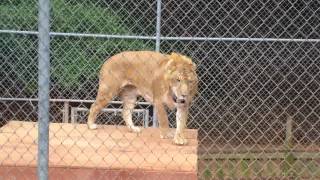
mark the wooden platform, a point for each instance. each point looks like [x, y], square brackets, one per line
[110, 152]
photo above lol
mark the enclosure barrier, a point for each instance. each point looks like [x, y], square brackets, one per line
[256, 114]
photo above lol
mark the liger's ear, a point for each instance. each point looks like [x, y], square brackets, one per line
[174, 55]
[194, 66]
[189, 60]
[170, 65]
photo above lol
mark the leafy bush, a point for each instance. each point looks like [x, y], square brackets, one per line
[75, 60]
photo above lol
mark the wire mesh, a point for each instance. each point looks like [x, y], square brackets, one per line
[257, 110]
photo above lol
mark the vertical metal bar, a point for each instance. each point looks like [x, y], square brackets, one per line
[289, 137]
[146, 118]
[158, 25]
[43, 87]
[158, 32]
[66, 112]
[73, 115]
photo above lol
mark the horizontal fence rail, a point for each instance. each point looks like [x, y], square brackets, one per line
[161, 37]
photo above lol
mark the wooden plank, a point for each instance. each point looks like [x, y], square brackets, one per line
[28, 173]
[108, 147]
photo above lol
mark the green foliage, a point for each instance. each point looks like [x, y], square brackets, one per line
[245, 167]
[80, 17]
[18, 15]
[207, 174]
[220, 170]
[74, 60]
[18, 63]
[288, 164]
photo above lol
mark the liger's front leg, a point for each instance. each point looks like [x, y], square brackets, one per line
[181, 119]
[163, 120]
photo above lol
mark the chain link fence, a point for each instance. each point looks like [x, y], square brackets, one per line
[257, 111]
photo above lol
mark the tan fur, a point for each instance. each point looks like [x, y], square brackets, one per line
[159, 78]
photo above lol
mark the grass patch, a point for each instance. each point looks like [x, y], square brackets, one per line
[207, 174]
[220, 170]
[313, 168]
[245, 171]
[286, 165]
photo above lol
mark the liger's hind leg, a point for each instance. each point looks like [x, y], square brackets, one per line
[129, 98]
[103, 97]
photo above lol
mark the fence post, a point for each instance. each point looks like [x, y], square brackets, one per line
[43, 87]
[66, 112]
[158, 30]
[289, 136]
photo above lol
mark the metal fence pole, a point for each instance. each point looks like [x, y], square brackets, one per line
[158, 25]
[43, 87]
[158, 29]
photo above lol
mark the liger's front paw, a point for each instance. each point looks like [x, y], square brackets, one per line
[92, 126]
[135, 129]
[178, 140]
[166, 134]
